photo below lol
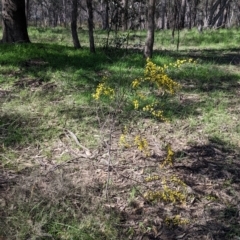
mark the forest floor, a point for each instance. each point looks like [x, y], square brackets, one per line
[63, 174]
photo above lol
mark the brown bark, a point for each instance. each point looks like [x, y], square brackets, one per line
[14, 21]
[148, 49]
[74, 16]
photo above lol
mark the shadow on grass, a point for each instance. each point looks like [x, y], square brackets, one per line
[37, 59]
[213, 173]
[228, 56]
[208, 75]
[17, 130]
[13, 129]
[57, 56]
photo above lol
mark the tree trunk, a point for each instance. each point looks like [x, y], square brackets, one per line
[182, 15]
[213, 9]
[125, 15]
[27, 10]
[105, 14]
[189, 14]
[175, 19]
[194, 13]
[148, 49]
[90, 25]
[65, 13]
[222, 7]
[14, 21]
[74, 16]
[163, 14]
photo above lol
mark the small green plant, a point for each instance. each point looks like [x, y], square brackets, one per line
[211, 198]
[132, 195]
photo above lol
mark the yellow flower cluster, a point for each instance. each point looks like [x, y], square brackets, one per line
[170, 195]
[142, 144]
[141, 95]
[178, 181]
[179, 62]
[123, 141]
[135, 83]
[150, 108]
[176, 220]
[126, 138]
[167, 195]
[156, 74]
[103, 89]
[136, 104]
[125, 129]
[173, 191]
[170, 157]
[152, 178]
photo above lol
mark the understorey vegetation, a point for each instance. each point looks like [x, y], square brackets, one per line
[115, 146]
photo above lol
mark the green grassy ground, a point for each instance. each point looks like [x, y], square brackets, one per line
[62, 172]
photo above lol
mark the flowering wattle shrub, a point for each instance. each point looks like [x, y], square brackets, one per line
[141, 98]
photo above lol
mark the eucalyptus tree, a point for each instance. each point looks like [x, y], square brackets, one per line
[90, 25]
[14, 21]
[125, 14]
[148, 48]
[103, 11]
[74, 16]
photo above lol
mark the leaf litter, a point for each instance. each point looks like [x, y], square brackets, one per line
[210, 171]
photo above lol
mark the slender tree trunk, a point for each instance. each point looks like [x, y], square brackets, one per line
[163, 13]
[27, 10]
[194, 13]
[148, 49]
[14, 21]
[125, 15]
[65, 13]
[189, 14]
[182, 14]
[105, 14]
[74, 16]
[175, 19]
[90, 25]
